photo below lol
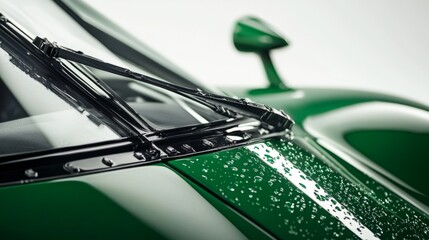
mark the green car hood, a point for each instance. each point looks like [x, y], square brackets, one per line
[383, 136]
[292, 193]
[275, 188]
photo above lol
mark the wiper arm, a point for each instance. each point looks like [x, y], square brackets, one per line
[230, 107]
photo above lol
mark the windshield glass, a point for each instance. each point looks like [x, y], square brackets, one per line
[34, 117]
[160, 108]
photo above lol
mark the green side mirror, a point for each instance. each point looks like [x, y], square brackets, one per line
[253, 35]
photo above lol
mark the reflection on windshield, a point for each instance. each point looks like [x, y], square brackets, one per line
[34, 118]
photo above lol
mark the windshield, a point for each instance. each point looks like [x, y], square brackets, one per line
[34, 118]
[160, 108]
[40, 112]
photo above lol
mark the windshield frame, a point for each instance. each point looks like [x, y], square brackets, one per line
[141, 144]
[115, 108]
[17, 43]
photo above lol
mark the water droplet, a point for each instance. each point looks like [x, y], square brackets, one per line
[257, 179]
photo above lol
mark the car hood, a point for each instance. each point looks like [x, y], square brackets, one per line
[297, 193]
[276, 188]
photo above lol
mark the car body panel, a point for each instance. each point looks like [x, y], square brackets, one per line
[327, 181]
[294, 194]
[302, 103]
[144, 202]
[378, 134]
[275, 188]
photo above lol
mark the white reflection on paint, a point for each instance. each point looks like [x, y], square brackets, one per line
[311, 189]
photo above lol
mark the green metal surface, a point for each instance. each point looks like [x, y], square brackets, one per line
[273, 77]
[140, 203]
[396, 151]
[306, 102]
[276, 188]
[293, 194]
[341, 177]
[66, 210]
[253, 35]
[380, 135]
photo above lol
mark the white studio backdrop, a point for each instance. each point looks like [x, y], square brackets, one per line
[380, 45]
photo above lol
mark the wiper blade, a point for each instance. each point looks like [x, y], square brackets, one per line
[227, 106]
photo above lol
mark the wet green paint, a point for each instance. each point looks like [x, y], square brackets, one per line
[386, 138]
[304, 198]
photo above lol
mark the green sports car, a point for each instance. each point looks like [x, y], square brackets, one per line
[118, 143]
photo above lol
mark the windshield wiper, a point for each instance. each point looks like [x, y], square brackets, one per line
[227, 106]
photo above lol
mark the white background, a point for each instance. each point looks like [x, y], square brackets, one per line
[380, 45]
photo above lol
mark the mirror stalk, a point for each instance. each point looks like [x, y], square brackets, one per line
[273, 77]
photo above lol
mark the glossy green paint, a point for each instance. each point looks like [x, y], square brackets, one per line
[384, 146]
[253, 35]
[275, 82]
[248, 228]
[387, 140]
[150, 202]
[314, 193]
[381, 135]
[66, 210]
[305, 102]
[294, 194]
[276, 188]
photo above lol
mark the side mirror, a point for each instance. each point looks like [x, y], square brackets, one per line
[253, 35]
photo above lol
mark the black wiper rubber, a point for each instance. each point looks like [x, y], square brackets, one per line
[230, 107]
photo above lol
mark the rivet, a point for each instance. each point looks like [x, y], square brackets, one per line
[107, 161]
[31, 173]
[187, 148]
[208, 143]
[72, 168]
[171, 150]
[140, 156]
